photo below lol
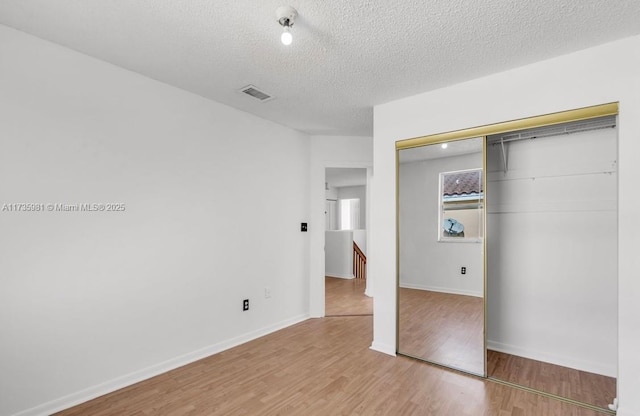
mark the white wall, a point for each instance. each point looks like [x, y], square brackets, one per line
[339, 254]
[330, 152]
[422, 264]
[594, 76]
[214, 198]
[360, 238]
[552, 244]
[331, 193]
[356, 192]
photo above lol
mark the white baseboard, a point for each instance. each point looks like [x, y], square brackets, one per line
[340, 276]
[137, 376]
[441, 289]
[623, 411]
[383, 348]
[564, 361]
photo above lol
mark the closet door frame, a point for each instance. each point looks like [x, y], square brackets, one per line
[585, 113]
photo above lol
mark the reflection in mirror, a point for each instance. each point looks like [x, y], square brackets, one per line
[461, 198]
[552, 260]
[440, 263]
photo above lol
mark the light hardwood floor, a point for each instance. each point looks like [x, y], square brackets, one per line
[566, 382]
[443, 328]
[346, 297]
[316, 368]
[319, 367]
[447, 329]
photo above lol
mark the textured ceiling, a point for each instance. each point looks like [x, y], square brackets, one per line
[347, 56]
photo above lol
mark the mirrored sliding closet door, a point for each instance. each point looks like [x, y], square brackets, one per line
[525, 213]
[441, 223]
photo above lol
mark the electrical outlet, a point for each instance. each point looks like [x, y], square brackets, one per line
[245, 305]
[303, 227]
[267, 292]
[463, 270]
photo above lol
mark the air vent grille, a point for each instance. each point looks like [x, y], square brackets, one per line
[255, 92]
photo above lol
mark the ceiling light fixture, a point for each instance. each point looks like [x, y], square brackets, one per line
[286, 15]
[444, 145]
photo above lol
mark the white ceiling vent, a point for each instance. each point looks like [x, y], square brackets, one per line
[256, 93]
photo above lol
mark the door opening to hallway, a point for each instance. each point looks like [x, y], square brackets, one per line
[345, 242]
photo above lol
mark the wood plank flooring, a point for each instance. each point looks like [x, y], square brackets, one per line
[346, 297]
[447, 329]
[443, 328]
[315, 368]
[566, 382]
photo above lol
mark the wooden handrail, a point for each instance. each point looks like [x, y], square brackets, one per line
[359, 263]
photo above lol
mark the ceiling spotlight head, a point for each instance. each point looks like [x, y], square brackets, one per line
[286, 15]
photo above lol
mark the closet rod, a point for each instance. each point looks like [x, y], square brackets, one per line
[565, 175]
[551, 131]
[551, 211]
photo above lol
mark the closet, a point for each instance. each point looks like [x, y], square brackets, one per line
[515, 279]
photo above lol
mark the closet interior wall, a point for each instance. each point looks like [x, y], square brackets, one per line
[552, 249]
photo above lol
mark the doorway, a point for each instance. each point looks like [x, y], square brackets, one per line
[345, 242]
